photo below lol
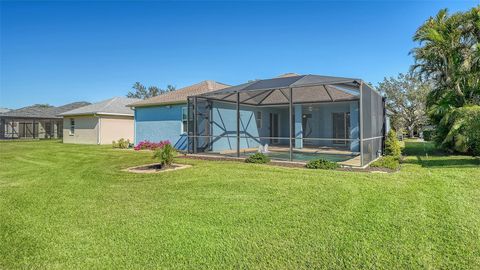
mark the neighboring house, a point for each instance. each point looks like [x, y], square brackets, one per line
[35, 122]
[164, 117]
[99, 123]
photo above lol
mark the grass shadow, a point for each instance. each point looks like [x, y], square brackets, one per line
[449, 162]
[419, 148]
[429, 156]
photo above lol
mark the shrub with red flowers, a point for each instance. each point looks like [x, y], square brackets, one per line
[148, 145]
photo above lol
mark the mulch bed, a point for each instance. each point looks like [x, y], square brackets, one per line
[156, 168]
[367, 169]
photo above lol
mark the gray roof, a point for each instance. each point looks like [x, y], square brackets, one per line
[306, 88]
[4, 110]
[43, 111]
[113, 106]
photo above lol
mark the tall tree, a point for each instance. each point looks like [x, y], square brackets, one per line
[140, 91]
[448, 55]
[406, 96]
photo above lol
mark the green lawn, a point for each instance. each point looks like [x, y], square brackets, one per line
[71, 206]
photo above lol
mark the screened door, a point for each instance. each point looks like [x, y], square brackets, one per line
[307, 128]
[28, 130]
[341, 127]
[274, 128]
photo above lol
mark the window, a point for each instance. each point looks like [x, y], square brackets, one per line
[184, 119]
[72, 126]
[259, 119]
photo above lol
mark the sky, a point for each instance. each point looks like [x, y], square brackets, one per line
[60, 52]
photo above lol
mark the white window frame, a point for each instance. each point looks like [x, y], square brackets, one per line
[184, 121]
[72, 126]
[259, 119]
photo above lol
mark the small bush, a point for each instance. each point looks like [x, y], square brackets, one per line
[322, 164]
[121, 143]
[428, 135]
[389, 162]
[165, 154]
[147, 145]
[258, 158]
[392, 145]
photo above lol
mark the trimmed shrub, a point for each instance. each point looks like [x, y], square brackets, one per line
[148, 145]
[121, 143]
[322, 164]
[392, 145]
[389, 162]
[165, 154]
[258, 158]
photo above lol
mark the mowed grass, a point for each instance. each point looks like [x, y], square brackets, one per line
[70, 206]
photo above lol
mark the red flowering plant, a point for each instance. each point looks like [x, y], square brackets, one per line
[148, 145]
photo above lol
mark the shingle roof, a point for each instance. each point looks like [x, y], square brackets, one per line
[71, 106]
[113, 106]
[180, 95]
[42, 111]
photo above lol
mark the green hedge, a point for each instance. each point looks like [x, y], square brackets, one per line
[389, 162]
[257, 158]
[322, 164]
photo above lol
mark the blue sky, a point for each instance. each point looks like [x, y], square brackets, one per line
[60, 52]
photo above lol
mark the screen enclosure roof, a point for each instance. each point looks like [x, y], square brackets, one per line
[305, 89]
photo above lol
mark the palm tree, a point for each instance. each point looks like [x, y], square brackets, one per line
[449, 56]
[441, 57]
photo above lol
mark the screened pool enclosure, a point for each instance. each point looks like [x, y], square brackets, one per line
[297, 118]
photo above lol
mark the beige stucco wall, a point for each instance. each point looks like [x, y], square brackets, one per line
[101, 129]
[113, 128]
[86, 130]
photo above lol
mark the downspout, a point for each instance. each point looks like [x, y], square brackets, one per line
[99, 133]
[134, 125]
[238, 124]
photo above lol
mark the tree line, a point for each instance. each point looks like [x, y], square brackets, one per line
[140, 91]
[442, 88]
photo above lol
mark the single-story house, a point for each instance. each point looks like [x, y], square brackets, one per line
[295, 117]
[35, 122]
[164, 117]
[99, 123]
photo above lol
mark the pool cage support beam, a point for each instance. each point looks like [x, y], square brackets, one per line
[194, 125]
[361, 124]
[238, 124]
[290, 123]
[384, 124]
